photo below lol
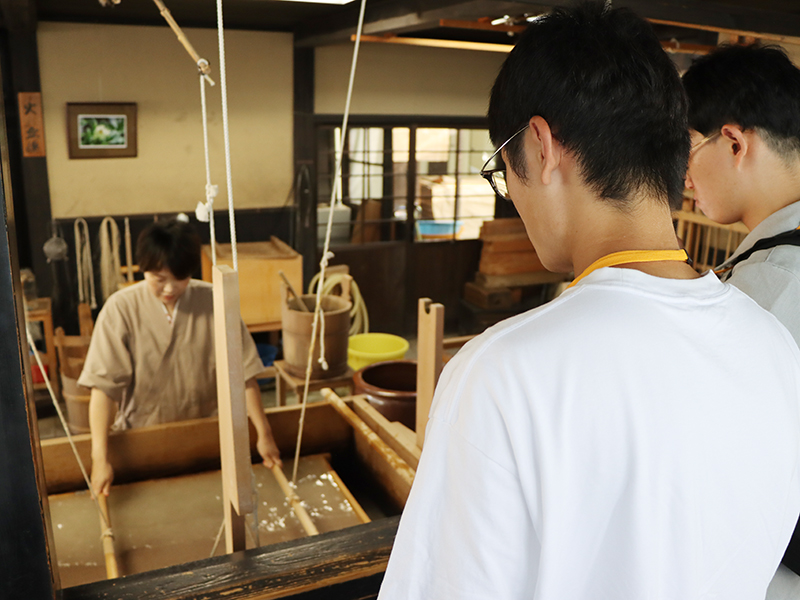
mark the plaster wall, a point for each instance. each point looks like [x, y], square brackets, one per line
[406, 80]
[148, 66]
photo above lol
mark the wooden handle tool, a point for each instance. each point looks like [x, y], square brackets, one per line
[302, 304]
[301, 513]
[112, 569]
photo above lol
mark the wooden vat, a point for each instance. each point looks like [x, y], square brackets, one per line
[350, 559]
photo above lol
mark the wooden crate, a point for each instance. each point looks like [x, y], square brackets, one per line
[491, 298]
[506, 249]
[259, 282]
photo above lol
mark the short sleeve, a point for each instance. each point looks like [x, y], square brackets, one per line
[109, 365]
[775, 288]
[466, 532]
[250, 357]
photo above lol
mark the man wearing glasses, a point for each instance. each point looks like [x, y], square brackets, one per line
[744, 115]
[607, 445]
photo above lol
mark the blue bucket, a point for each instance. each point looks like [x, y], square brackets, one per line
[268, 353]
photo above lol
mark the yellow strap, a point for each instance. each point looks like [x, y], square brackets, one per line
[632, 256]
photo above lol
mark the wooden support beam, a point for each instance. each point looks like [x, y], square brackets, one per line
[304, 138]
[430, 333]
[433, 43]
[397, 436]
[729, 32]
[28, 173]
[233, 430]
[674, 47]
[481, 25]
[394, 474]
[28, 552]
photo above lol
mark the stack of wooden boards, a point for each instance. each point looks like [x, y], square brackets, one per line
[508, 263]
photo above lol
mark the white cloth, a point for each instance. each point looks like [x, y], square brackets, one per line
[635, 438]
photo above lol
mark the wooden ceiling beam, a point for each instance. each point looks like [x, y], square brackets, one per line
[436, 43]
[747, 34]
[481, 25]
[401, 18]
[669, 46]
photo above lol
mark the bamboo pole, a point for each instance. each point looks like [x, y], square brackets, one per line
[112, 569]
[202, 64]
[297, 507]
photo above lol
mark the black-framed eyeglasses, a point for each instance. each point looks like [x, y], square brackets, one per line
[497, 177]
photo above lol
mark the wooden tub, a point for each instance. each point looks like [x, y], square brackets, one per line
[374, 457]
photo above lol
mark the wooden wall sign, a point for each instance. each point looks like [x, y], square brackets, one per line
[31, 123]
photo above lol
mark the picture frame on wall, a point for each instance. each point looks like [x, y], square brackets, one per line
[101, 130]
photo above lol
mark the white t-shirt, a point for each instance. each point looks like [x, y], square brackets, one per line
[637, 438]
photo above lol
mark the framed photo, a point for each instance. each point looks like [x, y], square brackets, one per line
[101, 130]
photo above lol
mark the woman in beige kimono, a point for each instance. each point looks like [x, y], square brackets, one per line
[151, 359]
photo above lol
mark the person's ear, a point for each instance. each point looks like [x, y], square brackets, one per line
[737, 141]
[547, 147]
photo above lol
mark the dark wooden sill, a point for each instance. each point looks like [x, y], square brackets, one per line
[347, 564]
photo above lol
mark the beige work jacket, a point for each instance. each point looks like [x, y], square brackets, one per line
[159, 372]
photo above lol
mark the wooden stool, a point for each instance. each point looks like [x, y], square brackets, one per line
[284, 379]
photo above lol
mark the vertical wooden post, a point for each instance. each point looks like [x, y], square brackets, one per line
[31, 187]
[430, 333]
[28, 568]
[305, 218]
[234, 435]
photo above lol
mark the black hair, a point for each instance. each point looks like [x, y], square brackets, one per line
[173, 244]
[610, 94]
[752, 86]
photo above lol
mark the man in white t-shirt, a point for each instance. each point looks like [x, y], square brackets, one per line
[638, 437]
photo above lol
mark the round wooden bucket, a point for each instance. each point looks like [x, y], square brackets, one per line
[76, 397]
[297, 325]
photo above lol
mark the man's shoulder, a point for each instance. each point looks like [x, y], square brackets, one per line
[768, 275]
[536, 328]
[782, 260]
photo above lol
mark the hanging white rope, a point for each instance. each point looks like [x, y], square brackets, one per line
[66, 429]
[224, 91]
[83, 258]
[205, 212]
[326, 253]
[110, 267]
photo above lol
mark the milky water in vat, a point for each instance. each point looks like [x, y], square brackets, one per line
[163, 522]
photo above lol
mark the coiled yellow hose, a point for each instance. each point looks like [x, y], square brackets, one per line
[358, 313]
